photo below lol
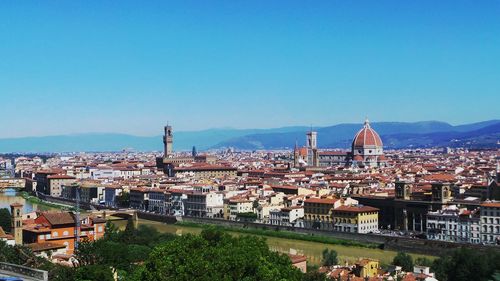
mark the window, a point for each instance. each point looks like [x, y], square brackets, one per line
[55, 234]
[65, 233]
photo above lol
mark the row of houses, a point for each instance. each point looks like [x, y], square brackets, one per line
[200, 201]
[453, 224]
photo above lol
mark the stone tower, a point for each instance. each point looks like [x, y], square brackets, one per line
[441, 192]
[296, 155]
[17, 222]
[312, 148]
[403, 190]
[312, 139]
[168, 141]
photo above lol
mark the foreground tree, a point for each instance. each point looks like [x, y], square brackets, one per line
[404, 260]
[5, 222]
[94, 272]
[214, 255]
[314, 276]
[467, 264]
[329, 257]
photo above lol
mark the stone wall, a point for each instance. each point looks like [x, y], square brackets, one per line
[156, 217]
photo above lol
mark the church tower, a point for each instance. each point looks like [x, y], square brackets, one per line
[17, 222]
[312, 148]
[168, 141]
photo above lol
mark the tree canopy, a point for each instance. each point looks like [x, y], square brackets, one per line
[214, 255]
[5, 222]
[329, 257]
[404, 260]
[466, 264]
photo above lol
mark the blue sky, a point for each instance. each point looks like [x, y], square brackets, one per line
[129, 66]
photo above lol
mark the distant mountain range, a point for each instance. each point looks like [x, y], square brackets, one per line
[394, 135]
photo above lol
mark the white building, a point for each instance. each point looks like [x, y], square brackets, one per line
[453, 225]
[490, 223]
[289, 216]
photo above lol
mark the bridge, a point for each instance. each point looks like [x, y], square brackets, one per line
[121, 213]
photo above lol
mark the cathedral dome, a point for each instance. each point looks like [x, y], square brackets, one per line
[367, 137]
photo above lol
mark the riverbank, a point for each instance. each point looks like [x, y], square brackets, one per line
[312, 250]
[38, 201]
[287, 235]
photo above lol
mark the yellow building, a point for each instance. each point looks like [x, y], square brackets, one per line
[356, 219]
[366, 268]
[236, 205]
[318, 212]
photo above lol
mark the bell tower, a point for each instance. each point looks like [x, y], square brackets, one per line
[312, 148]
[168, 141]
[17, 222]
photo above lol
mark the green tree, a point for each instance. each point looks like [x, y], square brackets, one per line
[111, 231]
[314, 276]
[216, 256]
[94, 273]
[61, 273]
[423, 261]
[129, 234]
[255, 204]
[330, 257]
[496, 276]
[5, 220]
[249, 216]
[123, 200]
[467, 264]
[404, 260]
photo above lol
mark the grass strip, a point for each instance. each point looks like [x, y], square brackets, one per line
[36, 200]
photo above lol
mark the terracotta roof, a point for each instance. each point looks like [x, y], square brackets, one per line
[60, 177]
[367, 137]
[59, 218]
[321, 200]
[44, 246]
[355, 209]
[297, 258]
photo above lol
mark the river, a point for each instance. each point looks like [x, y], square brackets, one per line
[312, 250]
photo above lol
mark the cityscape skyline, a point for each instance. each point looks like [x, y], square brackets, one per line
[249, 140]
[128, 68]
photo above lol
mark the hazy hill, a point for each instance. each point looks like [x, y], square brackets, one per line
[394, 135]
[116, 142]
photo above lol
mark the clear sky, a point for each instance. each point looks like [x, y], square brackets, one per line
[129, 66]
